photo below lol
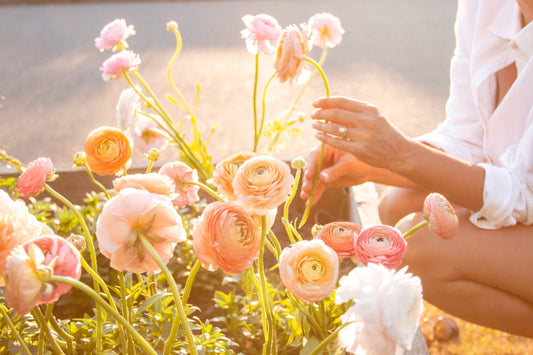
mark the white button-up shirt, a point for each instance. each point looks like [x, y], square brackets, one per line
[500, 139]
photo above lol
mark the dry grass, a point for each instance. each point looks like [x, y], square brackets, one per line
[473, 339]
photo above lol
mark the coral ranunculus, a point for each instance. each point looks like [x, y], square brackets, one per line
[386, 310]
[113, 36]
[108, 151]
[326, 30]
[261, 33]
[340, 236]
[293, 46]
[32, 180]
[441, 216]
[309, 269]
[128, 216]
[225, 172]
[118, 63]
[181, 174]
[380, 244]
[226, 237]
[262, 183]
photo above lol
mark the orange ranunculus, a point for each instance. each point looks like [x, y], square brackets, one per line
[108, 151]
[152, 182]
[339, 236]
[225, 172]
[441, 216]
[262, 183]
[309, 269]
[226, 237]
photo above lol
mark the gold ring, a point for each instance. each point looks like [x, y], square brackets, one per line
[342, 131]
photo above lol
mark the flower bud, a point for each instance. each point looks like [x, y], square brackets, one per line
[298, 163]
[172, 26]
[153, 154]
[79, 159]
[316, 228]
[78, 241]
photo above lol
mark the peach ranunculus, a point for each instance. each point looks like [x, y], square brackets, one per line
[128, 216]
[261, 33]
[292, 47]
[386, 310]
[326, 30]
[31, 182]
[309, 270]
[17, 226]
[225, 172]
[226, 237]
[440, 215]
[147, 134]
[108, 151]
[181, 174]
[126, 109]
[152, 182]
[340, 236]
[262, 183]
[120, 62]
[114, 35]
[380, 244]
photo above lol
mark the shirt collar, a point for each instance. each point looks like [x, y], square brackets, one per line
[508, 21]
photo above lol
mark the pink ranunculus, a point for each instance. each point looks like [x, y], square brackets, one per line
[441, 216]
[380, 244]
[17, 226]
[261, 33]
[292, 47]
[128, 216]
[340, 236]
[181, 174]
[226, 237]
[326, 30]
[118, 63]
[386, 310]
[309, 270]
[113, 36]
[147, 134]
[31, 182]
[225, 171]
[152, 182]
[262, 183]
[127, 105]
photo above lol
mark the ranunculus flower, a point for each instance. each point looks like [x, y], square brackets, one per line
[441, 216]
[226, 237]
[127, 104]
[326, 30]
[108, 151]
[128, 216]
[152, 182]
[340, 236]
[147, 134]
[309, 270]
[118, 63]
[17, 226]
[262, 183]
[292, 47]
[380, 244]
[181, 174]
[113, 36]
[225, 172]
[386, 311]
[32, 180]
[261, 33]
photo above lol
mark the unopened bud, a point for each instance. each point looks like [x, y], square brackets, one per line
[316, 228]
[298, 163]
[80, 159]
[172, 26]
[78, 241]
[153, 154]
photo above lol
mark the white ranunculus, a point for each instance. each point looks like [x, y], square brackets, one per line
[386, 310]
[127, 103]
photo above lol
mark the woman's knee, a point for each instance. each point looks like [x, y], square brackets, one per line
[396, 203]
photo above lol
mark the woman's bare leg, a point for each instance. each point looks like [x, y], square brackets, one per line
[398, 202]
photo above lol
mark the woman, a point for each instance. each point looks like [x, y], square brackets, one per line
[480, 158]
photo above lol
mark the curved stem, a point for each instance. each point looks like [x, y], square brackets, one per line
[96, 182]
[415, 228]
[190, 280]
[269, 347]
[38, 315]
[289, 201]
[14, 330]
[206, 188]
[49, 318]
[263, 110]
[328, 340]
[256, 136]
[99, 300]
[125, 312]
[169, 71]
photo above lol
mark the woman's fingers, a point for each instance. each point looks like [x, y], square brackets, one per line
[344, 103]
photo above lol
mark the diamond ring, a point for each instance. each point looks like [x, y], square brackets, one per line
[342, 131]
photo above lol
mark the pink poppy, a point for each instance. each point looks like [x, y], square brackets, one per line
[31, 182]
[226, 237]
[147, 134]
[380, 244]
[292, 47]
[113, 36]
[261, 33]
[441, 216]
[128, 216]
[326, 30]
[181, 174]
[340, 236]
[118, 63]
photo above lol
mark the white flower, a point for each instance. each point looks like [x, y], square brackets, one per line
[386, 311]
[127, 104]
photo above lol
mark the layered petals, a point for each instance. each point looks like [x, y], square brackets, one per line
[380, 244]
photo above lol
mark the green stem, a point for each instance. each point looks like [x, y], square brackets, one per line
[289, 201]
[190, 280]
[96, 182]
[14, 331]
[49, 318]
[126, 314]
[263, 109]
[275, 241]
[206, 188]
[256, 76]
[415, 228]
[169, 71]
[328, 340]
[99, 300]
[43, 324]
[269, 347]
[312, 321]
[182, 317]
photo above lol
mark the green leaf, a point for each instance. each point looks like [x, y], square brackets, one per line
[311, 344]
